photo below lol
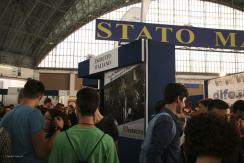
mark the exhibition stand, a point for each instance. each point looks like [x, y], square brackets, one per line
[132, 79]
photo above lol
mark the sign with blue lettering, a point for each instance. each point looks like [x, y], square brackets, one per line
[229, 88]
[177, 35]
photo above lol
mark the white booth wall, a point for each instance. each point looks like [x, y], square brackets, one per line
[5, 84]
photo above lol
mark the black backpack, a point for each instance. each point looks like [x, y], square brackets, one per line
[86, 161]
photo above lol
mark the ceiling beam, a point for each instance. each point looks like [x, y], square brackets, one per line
[51, 6]
[100, 9]
[12, 58]
[6, 9]
[22, 32]
[76, 19]
[43, 25]
[9, 44]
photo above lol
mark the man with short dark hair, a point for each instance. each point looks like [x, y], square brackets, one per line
[46, 105]
[25, 124]
[162, 141]
[84, 142]
[219, 107]
[202, 106]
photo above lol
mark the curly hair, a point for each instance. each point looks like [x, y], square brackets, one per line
[209, 135]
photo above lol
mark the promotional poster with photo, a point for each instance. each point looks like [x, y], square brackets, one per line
[124, 93]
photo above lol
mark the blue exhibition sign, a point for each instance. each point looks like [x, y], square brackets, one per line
[177, 35]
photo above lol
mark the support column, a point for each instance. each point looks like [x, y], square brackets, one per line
[72, 82]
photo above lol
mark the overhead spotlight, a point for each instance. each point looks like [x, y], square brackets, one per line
[50, 43]
[127, 1]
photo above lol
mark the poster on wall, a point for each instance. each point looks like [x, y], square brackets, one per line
[124, 99]
[229, 88]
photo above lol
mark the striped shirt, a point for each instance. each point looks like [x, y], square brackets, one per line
[5, 147]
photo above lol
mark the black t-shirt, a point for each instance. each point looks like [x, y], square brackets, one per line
[73, 119]
[108, 126]
[42, 109]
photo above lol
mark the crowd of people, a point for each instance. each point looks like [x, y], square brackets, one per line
[212, 132]
[31, 133]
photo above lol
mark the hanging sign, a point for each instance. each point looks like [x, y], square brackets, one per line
[105, 61]
[177, 35]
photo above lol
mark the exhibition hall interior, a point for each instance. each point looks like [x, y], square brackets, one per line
[122, 81]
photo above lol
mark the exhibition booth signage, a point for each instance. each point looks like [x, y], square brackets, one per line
[176, 35]
[228, 88]
[94, 67]
[132, 78]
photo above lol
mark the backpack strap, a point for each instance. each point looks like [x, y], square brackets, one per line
[171, 118]
[173, 130]
[147, 140]
[95, 146]
[77, 156]
[71, 145]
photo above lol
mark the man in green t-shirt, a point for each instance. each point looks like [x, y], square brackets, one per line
[84, 142]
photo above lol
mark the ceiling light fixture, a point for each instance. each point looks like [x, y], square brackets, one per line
[6, 67]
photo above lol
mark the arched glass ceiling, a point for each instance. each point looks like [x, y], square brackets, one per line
[81, 43]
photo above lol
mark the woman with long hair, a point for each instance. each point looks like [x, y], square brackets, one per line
[50, 117]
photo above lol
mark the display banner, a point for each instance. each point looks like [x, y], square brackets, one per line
[124, 99]
[229, 88]
[177, 35]
[104, 61]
